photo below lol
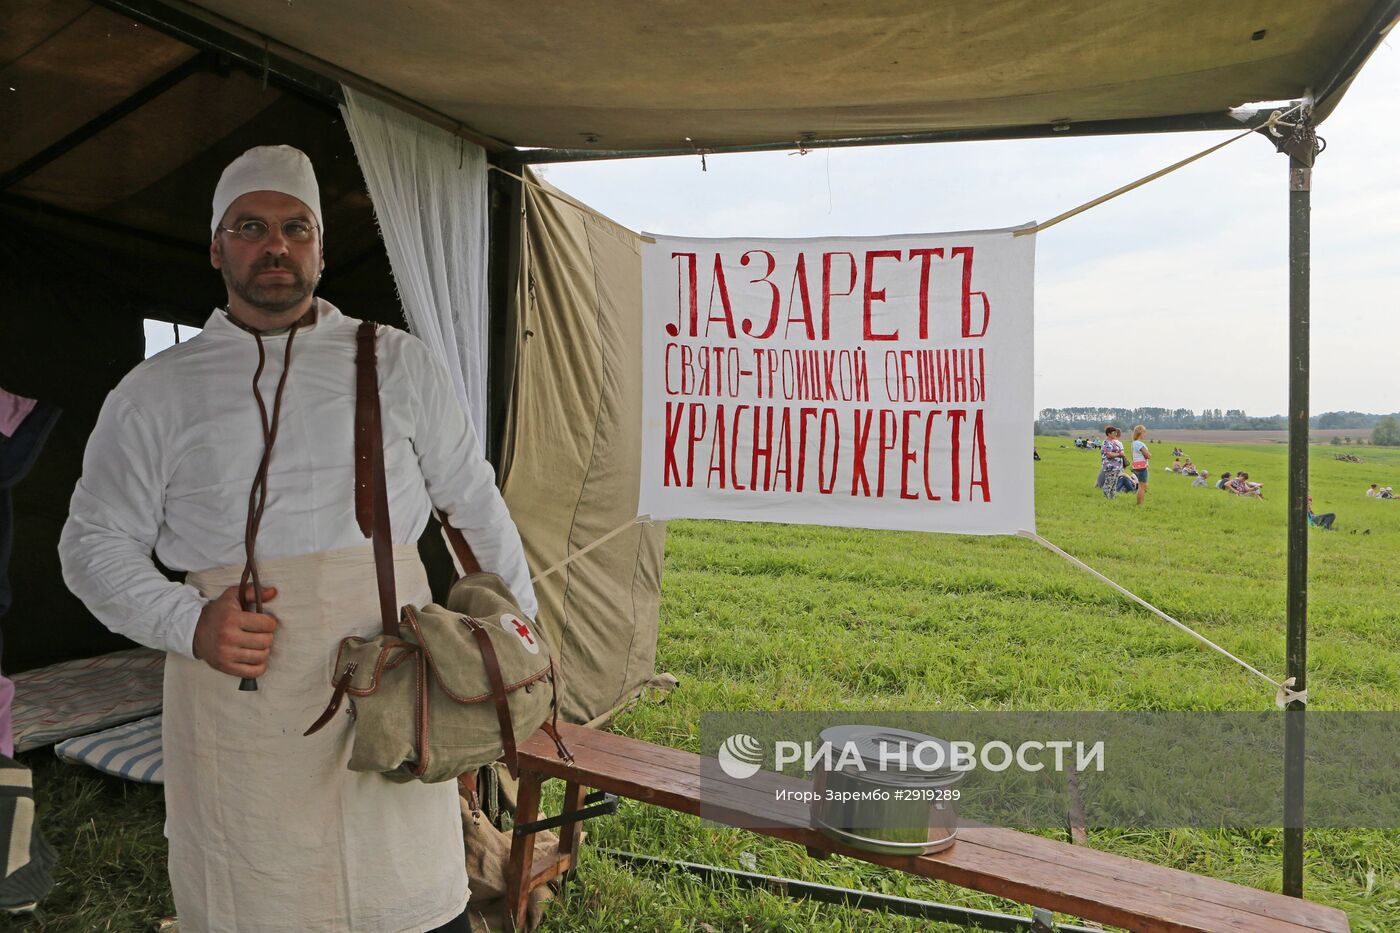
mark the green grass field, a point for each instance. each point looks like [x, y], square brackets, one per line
[776, 617]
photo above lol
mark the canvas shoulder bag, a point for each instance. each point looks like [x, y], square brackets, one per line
[443, 690]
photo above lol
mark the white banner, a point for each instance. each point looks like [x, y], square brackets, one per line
[871, 382]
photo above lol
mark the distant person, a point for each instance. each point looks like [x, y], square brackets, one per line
[1373, 492]
[1175, 467]
[1202, 478]
[1241, 485]
[1224, 481]
[1385, 493]
[1141, 455]
[1323, 521]
[1188, 467]
[1176, 452]
[1110, 461]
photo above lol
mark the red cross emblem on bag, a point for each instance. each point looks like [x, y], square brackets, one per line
[515, 626]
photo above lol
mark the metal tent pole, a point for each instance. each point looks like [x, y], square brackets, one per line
[1040, 921]
[1302, 148]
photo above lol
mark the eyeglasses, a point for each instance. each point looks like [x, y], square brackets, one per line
[296, 231]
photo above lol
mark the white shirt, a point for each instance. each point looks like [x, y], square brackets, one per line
[169, 467]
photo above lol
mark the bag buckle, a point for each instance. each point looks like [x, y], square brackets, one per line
[337, 697]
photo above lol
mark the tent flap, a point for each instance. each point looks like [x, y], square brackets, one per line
[574, 449]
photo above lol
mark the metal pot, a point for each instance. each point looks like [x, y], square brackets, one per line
[872, 800]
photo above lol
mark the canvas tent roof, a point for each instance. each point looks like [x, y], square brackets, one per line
[123, 123]
[123, 129]
[648, 75]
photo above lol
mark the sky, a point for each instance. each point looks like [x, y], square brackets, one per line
[1174, 295]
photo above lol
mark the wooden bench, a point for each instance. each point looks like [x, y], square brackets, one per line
[1079, 881]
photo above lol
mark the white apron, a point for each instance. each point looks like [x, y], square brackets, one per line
[269, 831]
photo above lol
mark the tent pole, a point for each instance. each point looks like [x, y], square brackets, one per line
[1301, 147]
[503, 335]
[1193, 122]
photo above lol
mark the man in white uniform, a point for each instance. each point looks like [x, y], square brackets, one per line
[269, 830]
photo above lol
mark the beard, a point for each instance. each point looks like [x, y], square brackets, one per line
[270, 298]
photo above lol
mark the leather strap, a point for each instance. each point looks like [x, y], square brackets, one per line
[336, 698]
[366, 388]
[551, 727]
[498, 693]
[257, 497]
[466, 787]
[369, 456]
[461, 548]
[367, 438]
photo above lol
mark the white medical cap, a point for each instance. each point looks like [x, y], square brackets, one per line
[268, 168]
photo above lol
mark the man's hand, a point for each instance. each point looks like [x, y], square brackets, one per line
[233, 641]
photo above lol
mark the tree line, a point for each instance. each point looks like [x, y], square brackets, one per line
[1386, 428]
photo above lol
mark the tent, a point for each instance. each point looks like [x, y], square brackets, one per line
[123, 130]
[120, 113]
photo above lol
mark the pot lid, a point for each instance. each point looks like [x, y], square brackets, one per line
[893, 755]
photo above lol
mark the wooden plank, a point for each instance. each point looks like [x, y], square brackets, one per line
[570, 833]
[1082, 882]
[667, 782]
[551, 871]
[1078, 835]
[1061, 886]
[522, 848]
[610, 756]
[1123, 901]
[674, 771]
[1054, 854]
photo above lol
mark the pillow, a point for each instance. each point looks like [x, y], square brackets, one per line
[130, 751]
[79, 697]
